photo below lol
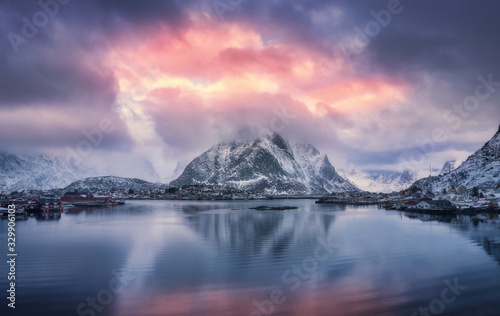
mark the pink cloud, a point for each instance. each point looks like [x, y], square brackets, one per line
[210, 81]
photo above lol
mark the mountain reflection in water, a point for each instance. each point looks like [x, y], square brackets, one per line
[222, 258]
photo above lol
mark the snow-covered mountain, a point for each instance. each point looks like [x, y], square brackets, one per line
[111, 183]
[481, 170]
[179, 169]
[38, 171]
[448, 167]
[385, 181]
[49, 171]
[269, 165]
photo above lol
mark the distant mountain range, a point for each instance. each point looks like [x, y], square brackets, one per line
[47, 171]
[481, 170]
[111, 183]
[268, 164]
[41, 171]
[384, 181]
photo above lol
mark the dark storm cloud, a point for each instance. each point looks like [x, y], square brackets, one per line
[39, 136]
[397, 51]
[429, 36]
[100, 13]
[54, 70]
[50, 66]
[394, 157]
[440, 48]
[56, 77]
[376, 158]
[292, 20]
[440, 36]
[60, 67]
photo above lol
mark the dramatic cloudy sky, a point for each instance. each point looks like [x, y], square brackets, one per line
[371, 88]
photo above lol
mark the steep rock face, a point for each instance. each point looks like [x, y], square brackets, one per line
[481, 169]
[269, 164]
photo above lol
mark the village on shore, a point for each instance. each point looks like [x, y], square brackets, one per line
[451, 202]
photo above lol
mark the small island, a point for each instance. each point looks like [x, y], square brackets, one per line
[273, 208]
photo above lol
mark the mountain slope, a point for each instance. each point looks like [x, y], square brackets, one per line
[111, 183]
[481, 169]
[39, 172]
[385, 181]
[269, 165]
[48, 171]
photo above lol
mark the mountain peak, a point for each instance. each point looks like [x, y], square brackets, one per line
[278, 140]
[268, 165]
[494, 144]
[497, 133]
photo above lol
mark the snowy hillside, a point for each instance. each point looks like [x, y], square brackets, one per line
[481, 170]
[25, 172]
[384, 181]
[48, 171]
[269, 165]
[111, 183]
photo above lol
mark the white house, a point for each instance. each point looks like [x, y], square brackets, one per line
[435, 205]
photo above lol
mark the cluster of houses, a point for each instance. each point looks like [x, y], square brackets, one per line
[45, 205]
[41, 202]
[209, 192]
[353, 198]
[417, 201]
[446, 203]
[404, 200]
[75, 197]
[51, 199]
[423, 204]
[86, 199]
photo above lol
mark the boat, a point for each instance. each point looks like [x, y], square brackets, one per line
[111, 203]
[19, 213]
[4, 212]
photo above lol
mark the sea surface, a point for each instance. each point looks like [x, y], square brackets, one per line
[223, 258]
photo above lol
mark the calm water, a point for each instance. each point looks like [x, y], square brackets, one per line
[220, 258]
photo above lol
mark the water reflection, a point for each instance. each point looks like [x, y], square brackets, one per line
[48, 217]
[252, 232]
[242, 253]
[483, 230]
[203, 258]
[381, 268]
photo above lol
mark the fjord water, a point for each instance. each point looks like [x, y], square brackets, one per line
[222, 258]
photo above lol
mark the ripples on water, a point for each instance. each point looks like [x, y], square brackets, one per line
[221, 258]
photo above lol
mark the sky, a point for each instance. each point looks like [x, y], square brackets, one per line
[374, 84]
